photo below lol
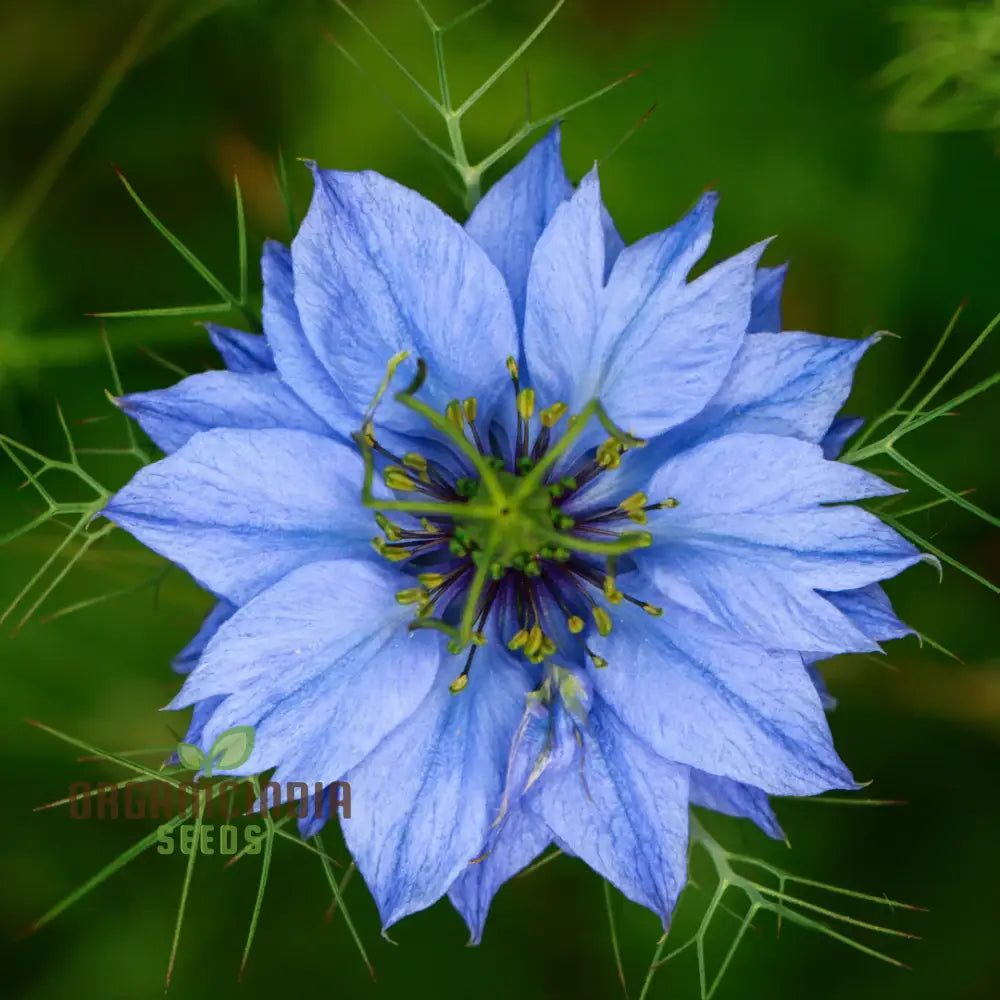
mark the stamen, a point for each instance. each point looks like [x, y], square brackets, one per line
[417, 462]
[411, 595]
[393, 532]
[471, 408]
[598, 661]
[499, 529]
[388, 552]
[456, 414]
[551, 415]
[609, 454]
[518, 640]
[602, 620]
[526, 403]
[397, 479]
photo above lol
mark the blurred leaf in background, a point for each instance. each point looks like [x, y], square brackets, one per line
[948, 78]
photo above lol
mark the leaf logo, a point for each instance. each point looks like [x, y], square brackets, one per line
[230, 750]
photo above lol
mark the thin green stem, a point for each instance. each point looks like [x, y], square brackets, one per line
[613, 928]
[338, 897]
[387, 52]
[955, 498]
[471, 609]
[241, 243]
[867, 432]
[265, 872]
[186, 884]
[474, 97]
[457, 436]
[578, 424]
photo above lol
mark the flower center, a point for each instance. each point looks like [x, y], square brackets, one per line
[498, 538]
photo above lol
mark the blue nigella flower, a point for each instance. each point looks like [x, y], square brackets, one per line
[612, 540]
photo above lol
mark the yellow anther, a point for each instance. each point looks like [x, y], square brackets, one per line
[635, 502]
[602, 620]
[526, 403]
[396, 478]
[652, 609]
[392, 532]
[598, 661]
[478, 639]
[411, 595]
[513, 370]
[548, 647]
[640, 539]
[471, 408]
[417, 462]
[551, 415]
[518, 640]
[393, 555]
[669, 502]
[638, 517]
[459, 683]
[534, 643]
[454, 412]
[609, 454]
[431, 580]
[368, 433]
[575, 623]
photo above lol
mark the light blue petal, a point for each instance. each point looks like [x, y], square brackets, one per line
[614, 803]
[514, 212]
[789, 384]
[700, 695]
[184, 662]
[565, 298]
[240, 509]
[689, 338]
[649, 273]
[750, 544]
[298, 366]
[583, 339]
[840, 432]
[516, 836]
[379, 270]
[187, 659]
[243, 352]
[870, 610]
[827, 700]
[513, 844]
[771, 604]
[321, 665]
[734, 799]
[613, 243]
[318, 816]
[757, 474]
[218, 399]
[423, 802]
[765, 312]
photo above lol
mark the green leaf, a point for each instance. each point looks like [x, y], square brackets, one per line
[232, 748]
[190, 756]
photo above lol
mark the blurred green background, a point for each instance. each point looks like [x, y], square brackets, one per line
[772, 102]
